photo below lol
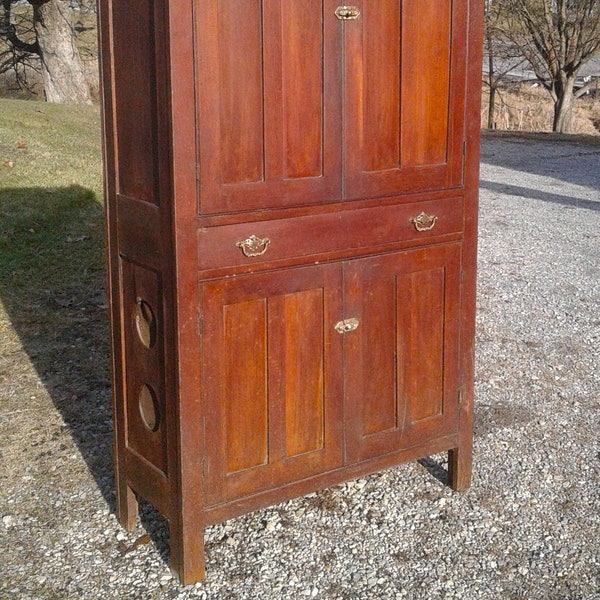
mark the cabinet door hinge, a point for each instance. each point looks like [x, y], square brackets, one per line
[464, 147]
[200, 325]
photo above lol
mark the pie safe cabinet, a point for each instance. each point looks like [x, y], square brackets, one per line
[291, 197]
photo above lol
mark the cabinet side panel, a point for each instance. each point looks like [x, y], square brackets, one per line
[421, 342]
[241, 103]
[245, 390]
[426, 44]
[135, 99]
[144, 363]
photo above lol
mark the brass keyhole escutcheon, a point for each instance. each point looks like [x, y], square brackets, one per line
[347, 13]
[346, 325]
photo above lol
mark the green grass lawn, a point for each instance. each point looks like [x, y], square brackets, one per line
[54, 365]
[50, 145]
[52, 260]
[50, 194]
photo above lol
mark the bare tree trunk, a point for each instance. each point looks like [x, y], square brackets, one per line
[563, 105]
[62, 71]
[491, 120]
[492, 82]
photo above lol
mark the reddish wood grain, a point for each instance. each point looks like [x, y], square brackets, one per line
[270, 105]
[231, 118]
[425, 82]
[404, 110]
[416, 366]
[243, 390]
[272, 396]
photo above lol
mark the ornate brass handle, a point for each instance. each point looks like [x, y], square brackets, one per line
[254, 246]
[424, 222]
[346, 13]
[346, 325]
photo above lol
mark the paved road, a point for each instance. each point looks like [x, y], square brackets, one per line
[520, 69]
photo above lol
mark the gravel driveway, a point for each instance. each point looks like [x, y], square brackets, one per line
[529, 528]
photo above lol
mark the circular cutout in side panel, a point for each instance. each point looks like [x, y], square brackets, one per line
[145, 323]
[148, 408]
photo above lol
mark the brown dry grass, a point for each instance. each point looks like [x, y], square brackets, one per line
[527, 107]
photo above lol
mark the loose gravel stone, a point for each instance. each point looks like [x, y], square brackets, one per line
[527, 528]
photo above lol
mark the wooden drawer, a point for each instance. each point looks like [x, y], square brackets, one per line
[328, 235]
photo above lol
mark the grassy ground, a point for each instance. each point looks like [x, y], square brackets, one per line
[53, 349]
[50, 145]
[50, 194]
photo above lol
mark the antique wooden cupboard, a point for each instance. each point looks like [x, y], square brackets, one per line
[291, 193]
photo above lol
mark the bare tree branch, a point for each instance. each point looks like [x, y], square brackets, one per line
[9, 31]
[556, 37]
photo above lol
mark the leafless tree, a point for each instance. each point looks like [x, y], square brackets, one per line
[45, 32]
[18, 57]
[500, 58]
[556, 37]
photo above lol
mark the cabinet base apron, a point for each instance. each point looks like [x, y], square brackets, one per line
[187, 559]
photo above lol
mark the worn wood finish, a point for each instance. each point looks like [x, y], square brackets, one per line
[273, 402]
[404, 81]
[270, 104]
[291, 223]
[402, 362]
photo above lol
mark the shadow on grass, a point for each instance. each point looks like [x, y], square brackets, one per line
[52, 285]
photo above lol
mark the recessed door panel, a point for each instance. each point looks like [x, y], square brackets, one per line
[269, 104]
[404, 103]
[297, 353]
[244, 384]
[401, 363]
[425, 76]
[271, 379]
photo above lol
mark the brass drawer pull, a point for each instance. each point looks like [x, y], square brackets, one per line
[254, 246]
[424, 222]
[346, 13]
[346, 325]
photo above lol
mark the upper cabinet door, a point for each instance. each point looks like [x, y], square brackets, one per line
[269, 103]
[404, 96]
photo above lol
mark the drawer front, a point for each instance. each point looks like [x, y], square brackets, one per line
[317, 236]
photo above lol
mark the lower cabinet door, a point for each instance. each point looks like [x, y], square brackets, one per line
[271, 381]
[401, 362]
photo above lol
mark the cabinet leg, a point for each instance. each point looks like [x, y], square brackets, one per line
[187, 551]
[460, 467]
[127, 506]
